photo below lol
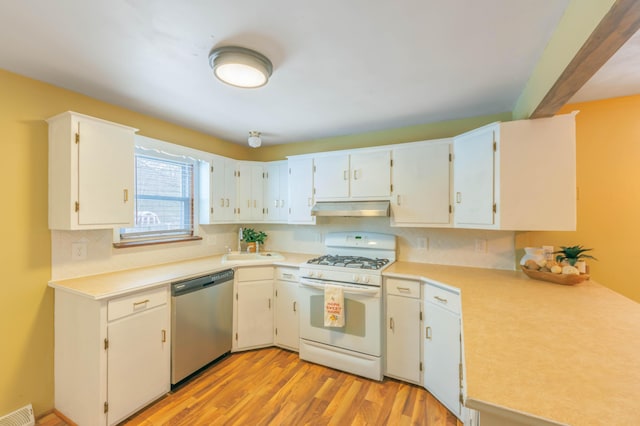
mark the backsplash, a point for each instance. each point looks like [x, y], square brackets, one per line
[460, 247]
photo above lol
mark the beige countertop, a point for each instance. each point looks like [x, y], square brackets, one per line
[104, 286]
[566, 353]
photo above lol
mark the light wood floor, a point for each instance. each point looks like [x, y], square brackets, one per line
[273, 387]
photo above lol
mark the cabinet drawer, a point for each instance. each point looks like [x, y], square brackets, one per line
[288, 274]
[134, 303]
[254, 274]
[448, 298]
[400, 287]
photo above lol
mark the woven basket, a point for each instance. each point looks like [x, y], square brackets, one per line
[565, 279]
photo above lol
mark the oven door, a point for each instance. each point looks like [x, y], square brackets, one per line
[362, 315]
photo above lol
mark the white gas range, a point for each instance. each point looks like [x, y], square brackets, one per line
[354, 262]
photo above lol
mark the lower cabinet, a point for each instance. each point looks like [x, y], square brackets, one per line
[253, 308]
[287, 322]
[111, 357]
[403, 358]
[442, 346]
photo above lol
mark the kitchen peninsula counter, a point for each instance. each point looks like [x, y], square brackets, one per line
[107, 285]
[570, 354]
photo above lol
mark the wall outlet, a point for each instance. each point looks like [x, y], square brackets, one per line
[481, 245]
[422, 243]
[78, 251]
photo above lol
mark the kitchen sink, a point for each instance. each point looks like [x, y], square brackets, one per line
[251, 257]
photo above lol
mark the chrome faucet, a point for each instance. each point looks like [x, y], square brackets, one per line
[240, 239]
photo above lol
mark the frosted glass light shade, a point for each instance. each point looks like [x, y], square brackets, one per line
[240, 67]
[254, 139]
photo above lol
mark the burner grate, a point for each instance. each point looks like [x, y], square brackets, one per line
[355, 262]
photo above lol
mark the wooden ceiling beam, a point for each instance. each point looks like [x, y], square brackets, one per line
[618, 25]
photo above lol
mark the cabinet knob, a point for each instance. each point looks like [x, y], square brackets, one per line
[126, 195]
[427, 333]
[458, 197]
[294, 306]
[355, 175]
[345, 175]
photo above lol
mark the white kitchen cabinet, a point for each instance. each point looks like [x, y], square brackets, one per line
[518, 175]
[111, 357]
[276, 191]
[403, 358]
[91, 173]
[353, 175]
[421, 178]
[287, 323]
[218, 190]
[253, 308]
[250, 189]
[300, 190]
[442, 346]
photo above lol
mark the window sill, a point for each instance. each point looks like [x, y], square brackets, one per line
[128, 244]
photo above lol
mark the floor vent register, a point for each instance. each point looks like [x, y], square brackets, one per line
[21, 417]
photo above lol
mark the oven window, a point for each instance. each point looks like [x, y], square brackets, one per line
[354, 316]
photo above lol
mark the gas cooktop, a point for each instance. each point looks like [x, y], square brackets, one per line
[356, 262]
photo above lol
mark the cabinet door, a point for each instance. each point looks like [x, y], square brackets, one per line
[275, 191]
[370, 174]
[331, 177]
[255, 314]
[105, 174]
[287, 326]
[283, 183]
[300, 190]
[403, 338]
[138, 361]
[474, 167]
[421, 176]
[442, 357]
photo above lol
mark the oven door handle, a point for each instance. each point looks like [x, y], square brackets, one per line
[345, 289]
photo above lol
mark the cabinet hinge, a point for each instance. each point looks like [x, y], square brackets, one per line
[236, 296]
[276, 331]
[78, 137]
[314, 168]
[106, 344]
[106, 406]
[391, 163]
[450, 157]
[211, 210]
[77, 206]
[276, 293]
[391, 187]
[420, 366]
[450, 209]
[211, 169]
[495, 208]
[289, 171]
[314, 191]
[236, 336]
[238, 173]
[420, 315]
[461, 399]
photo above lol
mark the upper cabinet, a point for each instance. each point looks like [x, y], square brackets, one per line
[518, 175]
[218, 190]
[353, 175]
[276, 191]
[91, 173]
[300, 190]
[421, 182]
[250, 187]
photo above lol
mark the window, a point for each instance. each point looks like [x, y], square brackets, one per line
[164, 201]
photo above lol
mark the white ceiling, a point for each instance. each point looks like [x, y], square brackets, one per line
[340, 67]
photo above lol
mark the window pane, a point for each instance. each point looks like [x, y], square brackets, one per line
[164, 198]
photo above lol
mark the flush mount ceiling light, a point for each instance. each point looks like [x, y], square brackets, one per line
[240, 67]
[254, 139]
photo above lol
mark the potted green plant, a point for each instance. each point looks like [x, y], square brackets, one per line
[253, 238]
[572, 254]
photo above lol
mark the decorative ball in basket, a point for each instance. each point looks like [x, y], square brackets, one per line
[561, 270]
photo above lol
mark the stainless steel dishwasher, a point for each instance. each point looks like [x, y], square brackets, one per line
[201, 322]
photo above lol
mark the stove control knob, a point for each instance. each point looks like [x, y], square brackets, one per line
[365, 279]
[312, 274]
[356, 278]
[319, 275]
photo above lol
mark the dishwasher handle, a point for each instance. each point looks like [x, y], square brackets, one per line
[189, 285]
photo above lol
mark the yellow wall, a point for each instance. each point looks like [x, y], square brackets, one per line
[608, 178]
[26, 303]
